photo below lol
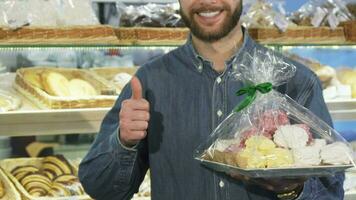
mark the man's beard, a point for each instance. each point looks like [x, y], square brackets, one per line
[228, 25]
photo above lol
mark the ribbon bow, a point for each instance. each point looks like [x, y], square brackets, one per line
[251, 94]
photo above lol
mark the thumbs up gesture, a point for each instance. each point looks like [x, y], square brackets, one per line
[134, 116]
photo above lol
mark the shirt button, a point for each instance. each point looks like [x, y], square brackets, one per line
[219, 113]
[234, 66]
[221, 184]
[218, 80]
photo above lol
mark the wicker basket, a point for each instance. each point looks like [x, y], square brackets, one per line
[302, 34]
[59, 35]
[350, 30]
[11, 192]
[44, 100]
[9, 164]
[152, 36]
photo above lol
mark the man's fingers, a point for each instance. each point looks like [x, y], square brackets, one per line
[139, 125]
[140, 115]
[136, 135]
[136, 88]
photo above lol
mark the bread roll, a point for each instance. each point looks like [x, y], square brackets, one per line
[81, 88]
[55, 84]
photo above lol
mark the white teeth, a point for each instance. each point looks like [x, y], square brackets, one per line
[209, 14]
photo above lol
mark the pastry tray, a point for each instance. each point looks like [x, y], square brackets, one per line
[9, 164]
[44, 100]
[290, 172]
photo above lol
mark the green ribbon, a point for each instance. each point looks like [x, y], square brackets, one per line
[251, 94]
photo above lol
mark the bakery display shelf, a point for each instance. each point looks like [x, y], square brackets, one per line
[351, 195]
[69, 35]
[30, 120]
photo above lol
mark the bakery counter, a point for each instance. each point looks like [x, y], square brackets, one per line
[342, 109]
[31, 120]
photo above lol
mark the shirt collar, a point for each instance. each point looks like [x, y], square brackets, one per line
[247, 46]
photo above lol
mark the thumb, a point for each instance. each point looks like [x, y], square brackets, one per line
[136, 88]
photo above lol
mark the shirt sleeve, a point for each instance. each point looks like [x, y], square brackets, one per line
[330, 188]
[111, 170]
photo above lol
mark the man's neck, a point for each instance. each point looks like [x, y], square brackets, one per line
[219, 51]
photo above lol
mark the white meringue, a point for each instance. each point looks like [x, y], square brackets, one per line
[336, 153]
[307, 156]
[291, 136]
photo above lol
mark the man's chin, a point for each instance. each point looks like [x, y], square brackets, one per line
[208, 35]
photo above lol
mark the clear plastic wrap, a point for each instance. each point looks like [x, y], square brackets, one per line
[266, 13]
[270, 135]
[75, 12]
[18, 13]
[322, 13]
[150, 15]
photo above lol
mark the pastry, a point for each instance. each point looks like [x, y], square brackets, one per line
[250, 158]
[71, 182]
[81, 88]
[307, 156]
[279, 157]
[56, 165]
[270, 120]
[58, 190]
[36, 180]
[260, 143]
[222, 145]
[336, 153]
[33, 78]
[22, 171]
[8, 102]
[55, 84]
[121, 79]
[291, 136]
[318, 143]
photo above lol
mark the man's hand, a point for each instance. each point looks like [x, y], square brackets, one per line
[134, 116]
[279, 185]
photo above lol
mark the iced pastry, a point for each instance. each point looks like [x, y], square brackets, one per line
[81, 88]
[336, 153]
[250, 158]
[55, 84]
[271, 120]
[222, 145]
[307, 156]
[291, 136]
[121, 79]
[215, 155]
[279, 157]
[307, 129]
[260, 143]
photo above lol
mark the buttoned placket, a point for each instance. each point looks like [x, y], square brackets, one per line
[220, 113]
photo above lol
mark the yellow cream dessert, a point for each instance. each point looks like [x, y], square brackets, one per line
[279, 157]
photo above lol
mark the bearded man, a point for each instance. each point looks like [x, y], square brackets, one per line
[173, 104]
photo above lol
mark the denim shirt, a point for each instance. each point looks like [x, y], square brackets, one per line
[188, 99]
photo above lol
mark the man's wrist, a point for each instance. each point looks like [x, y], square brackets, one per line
[124, 145]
